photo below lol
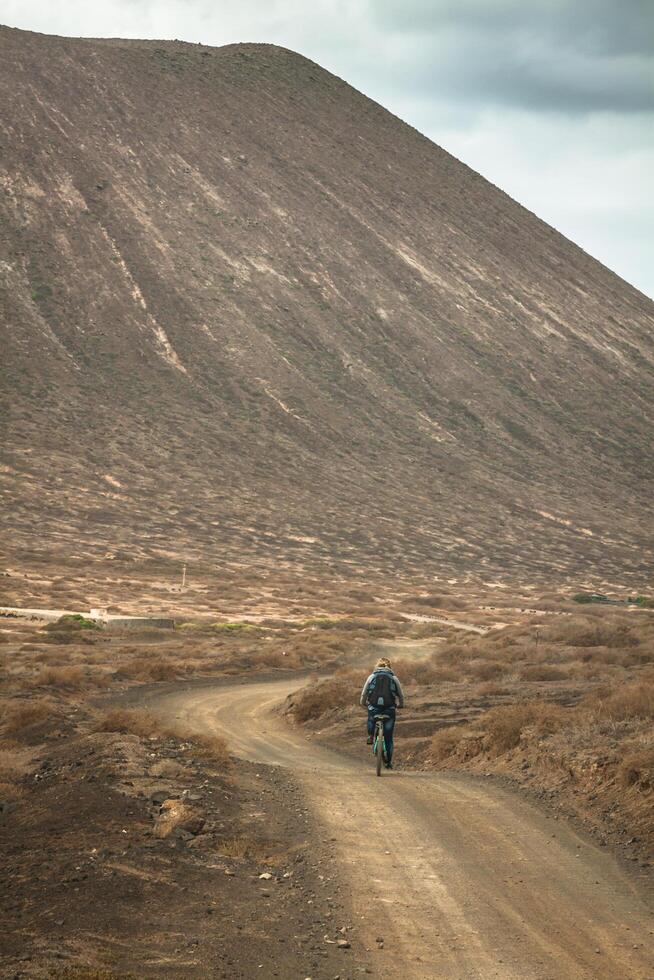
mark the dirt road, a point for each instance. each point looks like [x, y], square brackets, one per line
[462, 878]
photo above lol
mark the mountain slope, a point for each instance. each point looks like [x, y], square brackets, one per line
[252, 316]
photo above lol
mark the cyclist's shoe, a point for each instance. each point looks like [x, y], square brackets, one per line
[369, 740]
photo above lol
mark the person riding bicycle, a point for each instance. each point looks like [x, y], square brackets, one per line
[381, 695]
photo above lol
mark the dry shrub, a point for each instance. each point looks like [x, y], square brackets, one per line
[580, 632]
[491, 689]
[99, 678]
[630, 702]
[11, 759]
[129, 721]
[350, 625]
[436, 601]
[65, 637]
[267, 657]
[603, 655]
[444, 743]
[637, 769]
[504, 725]
[246, 847]
[138, 721]
[149, 669]
[361, 595]
[84, 972]
[543, 672]
[368, 611]
[431, 601]
[590, 671]
[22, 714]
[313, 702]
[485, 670]
[639, 657]
[70, 678]
[212, 748]
[56, 657]
[236, 847]
[10, 790]
[462, 650]
[422, 672]
[11, 745]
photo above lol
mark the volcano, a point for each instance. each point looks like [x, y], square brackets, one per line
[250, 316]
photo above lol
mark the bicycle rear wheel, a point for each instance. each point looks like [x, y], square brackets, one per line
[379, 748]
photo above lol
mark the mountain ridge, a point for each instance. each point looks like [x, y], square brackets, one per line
[275, 323]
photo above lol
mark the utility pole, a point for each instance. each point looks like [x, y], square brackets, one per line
[184, 575]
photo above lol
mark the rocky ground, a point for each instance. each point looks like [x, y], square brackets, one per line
[125, 855]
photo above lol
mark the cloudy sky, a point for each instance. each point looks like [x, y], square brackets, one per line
[552, 100]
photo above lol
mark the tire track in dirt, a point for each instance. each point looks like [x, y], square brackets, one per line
[464, 879]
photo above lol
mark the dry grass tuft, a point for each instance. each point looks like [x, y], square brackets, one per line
[246, 847]
[422, 672]
[130, 721]
[444, 743]
[71, 678]
[90, 973]
[498, 730]
[22, 714]
[212, 748]
[632, 701]
[146, 724]
[8, 789]
[485, 670]
[583, 632]
[325, 697]
[152, 669]
[543, 672]
[236, 847]
[14, 762]
[505, 725]
[637, 770]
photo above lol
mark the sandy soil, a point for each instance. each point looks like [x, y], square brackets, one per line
[459, 877]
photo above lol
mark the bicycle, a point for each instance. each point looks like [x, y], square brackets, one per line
[379, 742]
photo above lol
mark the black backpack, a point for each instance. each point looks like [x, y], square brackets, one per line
[381, 693]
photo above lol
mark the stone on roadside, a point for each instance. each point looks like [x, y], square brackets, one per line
[176, 815]
[160, 796]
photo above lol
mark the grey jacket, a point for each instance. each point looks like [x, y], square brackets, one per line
[398, 687]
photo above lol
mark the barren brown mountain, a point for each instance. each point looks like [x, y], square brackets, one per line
[251, 315]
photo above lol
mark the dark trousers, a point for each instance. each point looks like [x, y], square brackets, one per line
[389, 725]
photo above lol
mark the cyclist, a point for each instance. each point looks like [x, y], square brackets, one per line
[382, 694]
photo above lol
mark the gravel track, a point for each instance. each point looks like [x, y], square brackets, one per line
[462, 878]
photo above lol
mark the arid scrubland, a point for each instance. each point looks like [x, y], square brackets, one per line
[61, 680]
[559, 700]
[118, 819]
[561, 703]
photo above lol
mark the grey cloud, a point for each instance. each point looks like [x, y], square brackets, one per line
[488, 74]
[547, 54]
[601, 25]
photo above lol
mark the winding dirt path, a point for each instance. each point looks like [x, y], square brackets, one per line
[463, 879]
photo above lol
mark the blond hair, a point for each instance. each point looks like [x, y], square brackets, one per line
[383, 662]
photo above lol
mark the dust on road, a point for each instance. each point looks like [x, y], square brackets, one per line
[462, 878]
